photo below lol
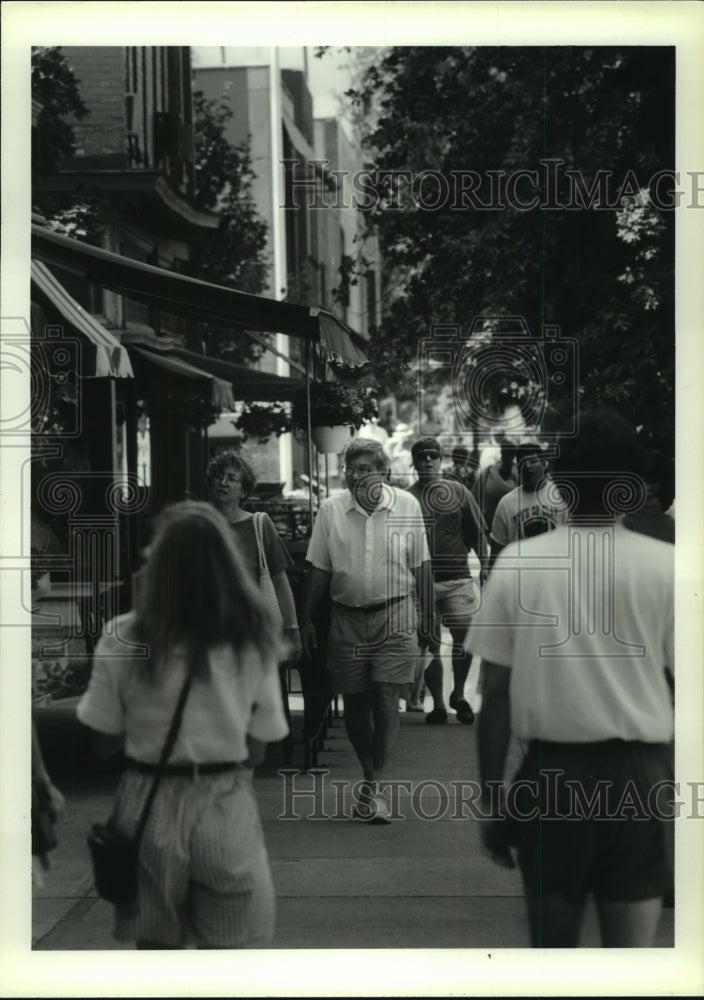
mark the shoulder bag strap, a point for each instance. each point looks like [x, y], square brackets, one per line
[165, 754]
[258, 516]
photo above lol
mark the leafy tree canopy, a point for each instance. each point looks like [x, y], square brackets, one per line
[236, 254]
[604, 275]
[56, 88]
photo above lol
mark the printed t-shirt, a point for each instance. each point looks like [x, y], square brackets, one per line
[524, 514]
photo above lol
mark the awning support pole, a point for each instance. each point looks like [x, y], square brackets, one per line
[308, 431]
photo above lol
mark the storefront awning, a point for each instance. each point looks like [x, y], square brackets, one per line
[337, 346]
[221, 392]
[201, 300]
[108, 358]
[248, 384]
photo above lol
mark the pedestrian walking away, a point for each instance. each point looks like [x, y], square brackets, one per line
[454, 527]
[204, 873]
[576, 633]
[368, 550]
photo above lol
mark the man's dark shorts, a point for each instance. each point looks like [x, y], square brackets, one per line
[614, 840]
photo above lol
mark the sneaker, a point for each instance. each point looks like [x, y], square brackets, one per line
[414, 706]
[375, 811]
[382, 813]
[437, 717]
[463, 709]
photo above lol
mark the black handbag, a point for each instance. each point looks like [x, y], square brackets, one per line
[115, 857]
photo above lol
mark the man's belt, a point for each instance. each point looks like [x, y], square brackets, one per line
[371, 608]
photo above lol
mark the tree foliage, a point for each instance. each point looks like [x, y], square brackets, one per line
[605, 276]
[236, 254]
[57, 90]
[80, 212]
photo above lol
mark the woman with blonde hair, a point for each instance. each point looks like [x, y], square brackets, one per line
[203, 867]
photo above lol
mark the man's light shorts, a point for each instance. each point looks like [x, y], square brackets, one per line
[456, 601]
[377, 646]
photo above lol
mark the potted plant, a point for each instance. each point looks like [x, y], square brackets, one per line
[260, 420]
[336, 411]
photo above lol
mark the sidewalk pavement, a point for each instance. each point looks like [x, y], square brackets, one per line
[416, 883]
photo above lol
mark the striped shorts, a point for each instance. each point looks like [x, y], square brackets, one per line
[204, 873]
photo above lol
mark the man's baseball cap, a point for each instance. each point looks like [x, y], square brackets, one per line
[425, 444]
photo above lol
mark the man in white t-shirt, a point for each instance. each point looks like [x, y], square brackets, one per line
[534, 507]
[576, 632]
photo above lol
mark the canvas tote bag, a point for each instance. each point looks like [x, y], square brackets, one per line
[265, 583]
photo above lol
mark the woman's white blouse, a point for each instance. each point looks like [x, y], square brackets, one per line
[241, 695]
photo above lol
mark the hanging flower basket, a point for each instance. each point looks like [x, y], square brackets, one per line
[259, 421]
[336, 411]
[331, 440]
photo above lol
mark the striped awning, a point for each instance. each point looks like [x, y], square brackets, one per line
[108, 358]
[337, 345]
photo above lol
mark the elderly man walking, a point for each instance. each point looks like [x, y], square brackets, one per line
[368, 548]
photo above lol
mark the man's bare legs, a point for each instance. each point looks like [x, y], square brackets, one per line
[372, 725]
[629, 925]
[386, 725]
[434, 675]
[358, 726]
[555, 923]
[461, 660]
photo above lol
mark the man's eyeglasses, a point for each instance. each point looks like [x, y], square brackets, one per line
[432, 455]
[359, 470]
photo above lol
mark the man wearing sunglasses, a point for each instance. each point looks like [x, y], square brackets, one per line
[454, 527]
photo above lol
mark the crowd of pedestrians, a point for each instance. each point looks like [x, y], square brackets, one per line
[570, 609]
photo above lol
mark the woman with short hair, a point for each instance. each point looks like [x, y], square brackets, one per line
[231, 480]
